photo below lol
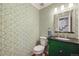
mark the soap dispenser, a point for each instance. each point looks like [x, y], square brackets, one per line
[49, 32]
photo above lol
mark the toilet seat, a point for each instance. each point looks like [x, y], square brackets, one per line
[38, 49]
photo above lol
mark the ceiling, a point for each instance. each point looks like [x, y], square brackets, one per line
[41, 5]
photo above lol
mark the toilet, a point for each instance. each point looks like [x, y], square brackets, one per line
[39, 49]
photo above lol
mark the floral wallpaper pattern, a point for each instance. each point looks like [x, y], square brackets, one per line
[19, 28]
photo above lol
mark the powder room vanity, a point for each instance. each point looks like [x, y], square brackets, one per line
[60, 47]
[64, 24]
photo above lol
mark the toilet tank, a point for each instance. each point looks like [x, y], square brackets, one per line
[43, 41]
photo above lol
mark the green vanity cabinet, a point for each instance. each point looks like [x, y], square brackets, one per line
[60, 48]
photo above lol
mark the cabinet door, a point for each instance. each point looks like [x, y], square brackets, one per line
[52, 48]
[74, 49]
[55, 48]
[66, 49]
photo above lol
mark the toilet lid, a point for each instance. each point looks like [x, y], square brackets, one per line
[39, 48]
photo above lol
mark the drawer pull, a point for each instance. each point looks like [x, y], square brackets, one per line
[60, 51]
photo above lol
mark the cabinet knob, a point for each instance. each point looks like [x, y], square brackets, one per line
[61, 51]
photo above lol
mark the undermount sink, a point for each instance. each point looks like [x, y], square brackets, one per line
[62, 38]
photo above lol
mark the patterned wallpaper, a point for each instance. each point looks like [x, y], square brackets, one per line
[78, 21]
[0, 29]
[20, 29]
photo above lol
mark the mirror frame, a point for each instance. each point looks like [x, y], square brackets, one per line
[70, 16]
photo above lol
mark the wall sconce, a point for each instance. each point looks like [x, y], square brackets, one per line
[62, 8]
[70, 5]
[55, 10]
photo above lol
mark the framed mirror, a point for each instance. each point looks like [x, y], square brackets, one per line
[63, 22]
